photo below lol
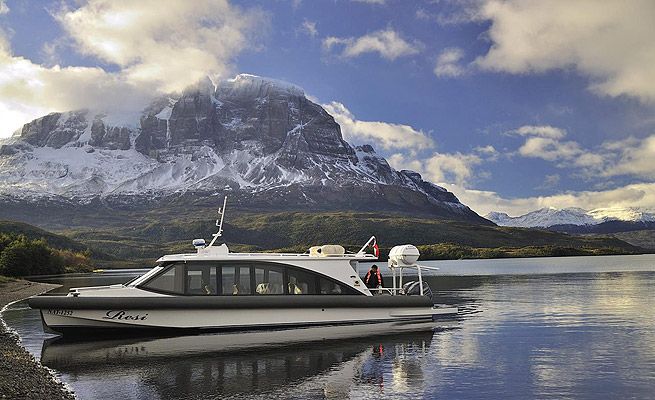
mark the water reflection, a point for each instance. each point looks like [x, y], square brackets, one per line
[229, 365]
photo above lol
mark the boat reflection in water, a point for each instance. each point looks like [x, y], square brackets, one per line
[247, 364]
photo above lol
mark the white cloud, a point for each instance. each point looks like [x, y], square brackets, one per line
[628, 157]
[455, 167]
[488, 152]
[388, 43]
[448, 63]
[550, 149]
[550, 182]
[156, 49]
[545, 131]
[169, 45]
[608, 41]
[544, 142]
[440, 167]
[3, 7]
[309, 27]
[295, 4]
[422, 14]
[388, 135]
[632, 157]
[370, 1]
[633, 195]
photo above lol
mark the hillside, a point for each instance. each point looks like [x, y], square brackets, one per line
[33, 232]
[61, 242]
[298, 231]
[641, 238]
[27, 250]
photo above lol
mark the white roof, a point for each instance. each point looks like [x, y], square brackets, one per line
[221, 253]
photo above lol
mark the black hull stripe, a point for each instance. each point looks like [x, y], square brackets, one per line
[226, 302]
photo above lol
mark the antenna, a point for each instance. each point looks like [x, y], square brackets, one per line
[219, 222]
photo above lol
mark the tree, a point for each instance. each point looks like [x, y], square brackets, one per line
[24, 257]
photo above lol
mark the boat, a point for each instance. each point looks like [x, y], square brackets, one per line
[214, 289]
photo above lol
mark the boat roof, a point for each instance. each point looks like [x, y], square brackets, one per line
[264, 257]
[221, 253]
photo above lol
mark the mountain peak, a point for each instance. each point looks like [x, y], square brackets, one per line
[254, 83]
[259, 138]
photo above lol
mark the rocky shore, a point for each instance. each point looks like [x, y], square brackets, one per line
[22, 376]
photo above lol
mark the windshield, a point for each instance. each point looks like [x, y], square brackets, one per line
[139, 278]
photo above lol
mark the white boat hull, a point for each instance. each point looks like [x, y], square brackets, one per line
[61, 320]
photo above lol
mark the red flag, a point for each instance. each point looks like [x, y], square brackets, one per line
[376, 249]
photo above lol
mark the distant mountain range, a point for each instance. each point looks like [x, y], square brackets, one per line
[258, 139]
[577, 220]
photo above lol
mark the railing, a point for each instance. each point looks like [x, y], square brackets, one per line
[346, 255]
[397, 288]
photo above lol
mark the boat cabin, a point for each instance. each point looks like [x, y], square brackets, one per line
[241, 278]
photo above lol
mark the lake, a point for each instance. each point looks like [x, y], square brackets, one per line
[574, 327]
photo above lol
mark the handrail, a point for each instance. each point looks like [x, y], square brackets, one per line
[398, 289]
[361, 251]
[346, 255]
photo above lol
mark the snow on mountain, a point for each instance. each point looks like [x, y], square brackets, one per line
[548, 217]
[247, 134]
[622, 214]
[499, 218]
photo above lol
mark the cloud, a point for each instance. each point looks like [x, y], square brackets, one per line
[388, 135]
[440, 167]
[155, 50]
[3, 7]
[170, 46]
[608, 41]
[489, 152]
[628, 157]
[455, 167]
[448, 63]
[550, 149]
[633, 195]
[309, 27]
[387, 43]
[550, 181]
[545, 142]
[370, 1]
[544, 131]
[633, 157]
[451, 13]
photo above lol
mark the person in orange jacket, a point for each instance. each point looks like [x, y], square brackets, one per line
[373, 278]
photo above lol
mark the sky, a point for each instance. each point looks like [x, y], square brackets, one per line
[513, 105]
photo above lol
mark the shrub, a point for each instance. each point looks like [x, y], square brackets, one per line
[75, 261]
[23, 257]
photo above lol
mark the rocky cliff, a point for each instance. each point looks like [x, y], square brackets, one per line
[259, 139]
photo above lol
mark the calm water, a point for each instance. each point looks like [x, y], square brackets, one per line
[579, 328]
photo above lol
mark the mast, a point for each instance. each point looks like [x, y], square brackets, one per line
[219, 223]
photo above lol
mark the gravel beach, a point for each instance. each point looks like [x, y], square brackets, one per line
[21, 376]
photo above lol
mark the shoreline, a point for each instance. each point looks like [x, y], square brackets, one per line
[21, 375]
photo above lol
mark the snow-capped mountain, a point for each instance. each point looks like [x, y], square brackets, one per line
[550, 217]
[260, 139]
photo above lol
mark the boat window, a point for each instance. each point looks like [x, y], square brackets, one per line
[330, 287]
[201, 280]
[269, 280]
[170, 281]
[235, 280]
[301, 282]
